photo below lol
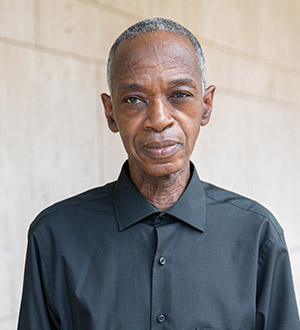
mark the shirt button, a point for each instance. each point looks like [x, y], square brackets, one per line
[162, 260]
[161, 318]
[162, 216]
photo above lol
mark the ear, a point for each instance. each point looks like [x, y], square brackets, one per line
[208, 103]
[106, 100]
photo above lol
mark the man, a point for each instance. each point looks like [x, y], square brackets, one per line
[158, 248]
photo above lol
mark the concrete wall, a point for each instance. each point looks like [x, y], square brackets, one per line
[53, 137]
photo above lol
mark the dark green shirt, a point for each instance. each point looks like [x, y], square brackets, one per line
[108, 260]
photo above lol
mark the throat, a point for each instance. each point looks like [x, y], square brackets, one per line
[163, 191]
[163, 199]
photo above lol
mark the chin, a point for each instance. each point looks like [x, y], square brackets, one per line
[163, 169]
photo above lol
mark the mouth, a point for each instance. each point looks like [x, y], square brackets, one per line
[162, 149]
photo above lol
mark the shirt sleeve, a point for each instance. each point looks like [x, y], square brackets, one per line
[35, 313]
[276, 303]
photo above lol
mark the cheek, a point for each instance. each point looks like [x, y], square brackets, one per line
[190, 124]
[128, 130]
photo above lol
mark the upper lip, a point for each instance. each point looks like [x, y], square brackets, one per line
[160, 144]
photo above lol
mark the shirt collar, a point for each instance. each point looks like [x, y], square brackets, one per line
[130, 206]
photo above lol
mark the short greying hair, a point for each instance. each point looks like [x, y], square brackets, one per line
[152, 25]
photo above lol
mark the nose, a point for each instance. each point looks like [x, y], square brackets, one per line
[158, 116]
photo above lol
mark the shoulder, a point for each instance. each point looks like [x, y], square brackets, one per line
[237, 203]
[244, 216]
[94, 199]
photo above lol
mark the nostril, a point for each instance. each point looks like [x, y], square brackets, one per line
[159, 124]
[159, 117]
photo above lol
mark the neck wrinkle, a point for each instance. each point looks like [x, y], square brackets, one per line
[162, 192]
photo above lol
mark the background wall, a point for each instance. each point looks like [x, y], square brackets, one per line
[53, 137]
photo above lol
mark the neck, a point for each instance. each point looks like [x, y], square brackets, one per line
[163, 191]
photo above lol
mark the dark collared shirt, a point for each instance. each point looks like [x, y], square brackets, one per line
[108, 260]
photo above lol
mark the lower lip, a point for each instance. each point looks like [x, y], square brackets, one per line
[163, 152]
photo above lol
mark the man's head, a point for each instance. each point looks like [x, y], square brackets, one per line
[157, 102]
[152, 25]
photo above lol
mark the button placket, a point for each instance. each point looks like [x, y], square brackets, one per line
[161, 279]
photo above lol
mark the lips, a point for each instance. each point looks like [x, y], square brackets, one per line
[161, 149]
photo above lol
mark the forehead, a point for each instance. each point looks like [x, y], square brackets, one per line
[155, 55]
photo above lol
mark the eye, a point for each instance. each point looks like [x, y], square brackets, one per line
[133, 100]
[181, 95]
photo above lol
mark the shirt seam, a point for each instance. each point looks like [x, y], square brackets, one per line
[48, 212]
[251, 211]
[49, 296]
[268, 249]
[50, 292]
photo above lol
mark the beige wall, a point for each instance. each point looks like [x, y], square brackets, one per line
[53, 137]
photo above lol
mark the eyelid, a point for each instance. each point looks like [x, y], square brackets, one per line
[185, 93]
[139, 100]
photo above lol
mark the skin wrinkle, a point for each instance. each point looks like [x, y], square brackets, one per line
[153, 50]
[159, 130]
[156, 25]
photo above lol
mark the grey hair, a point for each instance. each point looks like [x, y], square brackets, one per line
[152, 25]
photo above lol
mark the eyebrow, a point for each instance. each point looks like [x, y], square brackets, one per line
[127, 86]
[175, 82]
[179, 82]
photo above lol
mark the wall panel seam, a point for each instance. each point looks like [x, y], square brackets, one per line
[251, 57]
[52, 51]
[207, 42]
[97, 62]
[36, 24]
[87, 59]
[112, 9]
[258, 98]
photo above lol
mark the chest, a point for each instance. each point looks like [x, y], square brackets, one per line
[166, 277]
